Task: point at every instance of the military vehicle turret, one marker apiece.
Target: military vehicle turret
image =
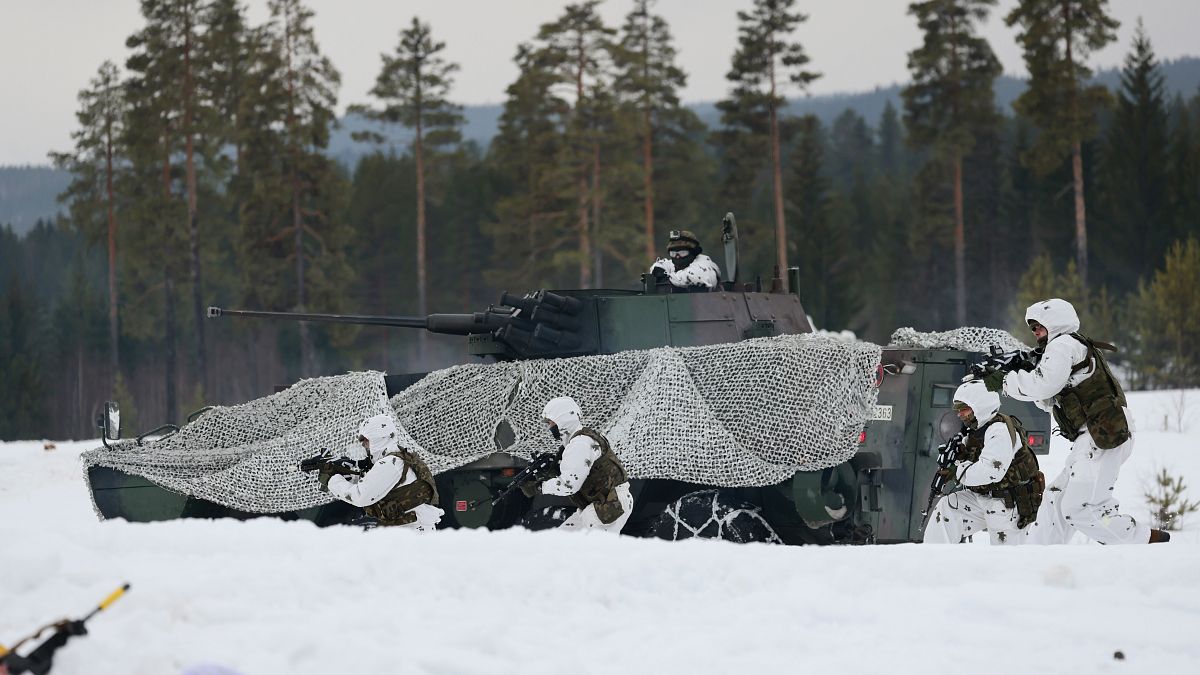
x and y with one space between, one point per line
877 496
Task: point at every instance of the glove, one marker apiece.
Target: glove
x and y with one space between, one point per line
662 267
530 489
994 381
323 479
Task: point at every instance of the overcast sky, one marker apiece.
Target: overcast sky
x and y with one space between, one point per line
49 49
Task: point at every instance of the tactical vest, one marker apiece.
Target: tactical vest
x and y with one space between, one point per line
1020 487
600 486
395 507
1094 404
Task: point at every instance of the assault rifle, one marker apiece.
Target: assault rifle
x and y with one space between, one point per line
41 658
947 455
326 459
1005 362
541 467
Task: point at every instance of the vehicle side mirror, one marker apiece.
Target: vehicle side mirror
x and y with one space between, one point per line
110 422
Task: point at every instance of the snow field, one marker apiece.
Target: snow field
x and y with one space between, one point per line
268 596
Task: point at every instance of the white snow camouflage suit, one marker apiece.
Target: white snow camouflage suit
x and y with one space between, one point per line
963 513
1081 498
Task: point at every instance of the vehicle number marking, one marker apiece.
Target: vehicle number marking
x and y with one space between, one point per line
881 413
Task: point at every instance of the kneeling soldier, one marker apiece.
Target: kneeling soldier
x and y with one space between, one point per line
398 489
589 472
1003 485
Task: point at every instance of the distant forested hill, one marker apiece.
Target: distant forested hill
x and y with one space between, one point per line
28 193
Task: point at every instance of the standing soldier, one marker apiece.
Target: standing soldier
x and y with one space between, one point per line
397 490
1003 486
588 472
1073 381
686 266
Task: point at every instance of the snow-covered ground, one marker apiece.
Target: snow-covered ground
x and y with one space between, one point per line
268 596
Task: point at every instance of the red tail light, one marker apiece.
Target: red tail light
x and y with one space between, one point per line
460 505
1036 439
862 437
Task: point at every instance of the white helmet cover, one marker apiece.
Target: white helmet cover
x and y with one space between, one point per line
380 432
1057 315
985 404
565 414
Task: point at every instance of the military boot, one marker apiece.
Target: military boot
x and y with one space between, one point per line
1159 536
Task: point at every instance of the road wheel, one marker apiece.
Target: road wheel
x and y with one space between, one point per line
713 514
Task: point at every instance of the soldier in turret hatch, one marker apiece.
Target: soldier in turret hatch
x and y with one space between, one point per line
686 266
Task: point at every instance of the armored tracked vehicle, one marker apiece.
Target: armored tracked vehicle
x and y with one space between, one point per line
875 497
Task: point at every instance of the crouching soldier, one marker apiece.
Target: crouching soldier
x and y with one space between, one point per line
1073 381
398 489
1003 485
588 472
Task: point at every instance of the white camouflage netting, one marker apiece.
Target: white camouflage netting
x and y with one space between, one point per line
969 338
742 414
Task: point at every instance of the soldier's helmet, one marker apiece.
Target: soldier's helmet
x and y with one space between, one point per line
380 434
1057 315
983 403
564 412
683 240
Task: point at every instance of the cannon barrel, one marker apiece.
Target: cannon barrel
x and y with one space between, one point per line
453 324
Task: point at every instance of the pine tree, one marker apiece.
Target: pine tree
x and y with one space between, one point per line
649 76
882 284
1183 190
194 116
827 266
22 409
578 48
1166 320
1136 226
412 88
91 196
308 86
891 139
949 99
157 244
1057 36
765 61
531 230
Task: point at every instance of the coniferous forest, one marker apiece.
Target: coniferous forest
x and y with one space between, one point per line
200 175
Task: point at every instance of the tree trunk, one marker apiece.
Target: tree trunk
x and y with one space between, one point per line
1081 260
597 250
298 243
168 294
581 182
1081 255
648 184
777 182
422 292
960 247
114 362
193 221
169 344
297 220
648 143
